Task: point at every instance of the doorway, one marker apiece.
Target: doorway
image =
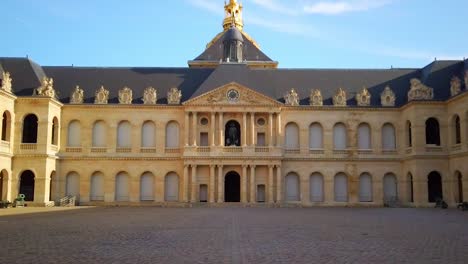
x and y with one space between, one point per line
261 193
434 187
232 187
27 185
203 193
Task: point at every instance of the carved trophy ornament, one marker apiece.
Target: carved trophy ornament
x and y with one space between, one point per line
125 96
77 96
150 96
339 99
291 98
363 97
419 91
387 97
316 98
101 96
173 96
455 86
46 88
6 82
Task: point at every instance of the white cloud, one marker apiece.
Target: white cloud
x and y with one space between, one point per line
213 6
340 7
275 6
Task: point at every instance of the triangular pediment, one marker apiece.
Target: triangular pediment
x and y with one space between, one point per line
233 94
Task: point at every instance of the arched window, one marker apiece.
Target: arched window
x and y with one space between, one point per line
73 185
6 127
341 187
99 134
390 187
458 187
292 187
172 135
4 185
124 137
456 130
55 129
27 184
410 188
316 187
432 132
365 187
171 187
364 136
388 137
74 134
30 129
315 136
121 187
97 186
53 184
434 187
409 136
233 134
339 137
147 187
148 135
291 136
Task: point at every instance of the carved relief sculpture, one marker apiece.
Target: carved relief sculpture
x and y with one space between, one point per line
6 82
173 96
363 97
419 91
316 98
455 86
387 97
46 88
77 96
291 98
125 96
339 99
101 96
150 96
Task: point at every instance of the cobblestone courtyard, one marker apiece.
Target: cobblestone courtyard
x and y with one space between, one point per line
236 235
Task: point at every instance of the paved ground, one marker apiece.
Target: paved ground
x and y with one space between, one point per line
236 235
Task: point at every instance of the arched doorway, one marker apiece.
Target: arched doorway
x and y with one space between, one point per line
390 187
434 186
233 134
171 187
27 185
232 187
410 188
459 187
3 185
292 187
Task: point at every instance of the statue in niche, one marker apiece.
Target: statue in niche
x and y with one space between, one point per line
387 97
125 96
150 96
316 98
6 82
101 96
46 88
291 98
419 91
77 96
363 97
173 96
455 86
232 134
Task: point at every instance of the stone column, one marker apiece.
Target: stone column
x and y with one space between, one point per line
279 184
244 184
187 129
270 129
220 184
213 129
252 184
221 129
244 129
194 128
270 184
252 128
278 130
185 182
212 184
194 192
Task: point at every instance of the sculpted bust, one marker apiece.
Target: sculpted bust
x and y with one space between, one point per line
316 98
419 91
77 96
150 96
6 82
292 98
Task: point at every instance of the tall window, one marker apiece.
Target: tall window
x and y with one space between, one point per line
74 134
432 132
388 137
409 136
457 130
364 136
30 129
292 136
315 136
172 135
339 137
55 128
6 120
148 135
124 138
99 134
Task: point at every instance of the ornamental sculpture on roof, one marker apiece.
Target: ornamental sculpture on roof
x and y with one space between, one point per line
339 99
291 98
174 95
125 96
466 80
77 96
6 82
101 96
419 91
150 96
387 97
455 86
316 98
46 88
363 97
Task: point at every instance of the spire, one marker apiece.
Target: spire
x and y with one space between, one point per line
232 15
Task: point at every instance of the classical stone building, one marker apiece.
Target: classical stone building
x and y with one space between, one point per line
233 127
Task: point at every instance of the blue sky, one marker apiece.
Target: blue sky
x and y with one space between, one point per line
297 33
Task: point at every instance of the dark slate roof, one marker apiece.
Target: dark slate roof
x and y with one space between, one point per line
215 51
194 82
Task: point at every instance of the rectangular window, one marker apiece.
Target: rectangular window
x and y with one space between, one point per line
204 139
261 141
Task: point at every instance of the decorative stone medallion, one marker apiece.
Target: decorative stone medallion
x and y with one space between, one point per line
173 96
363 97
101 96
77 96
455 86
150 96
339 99
387 97
316 98
292 98
419 91
125 96
6 82
232 96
